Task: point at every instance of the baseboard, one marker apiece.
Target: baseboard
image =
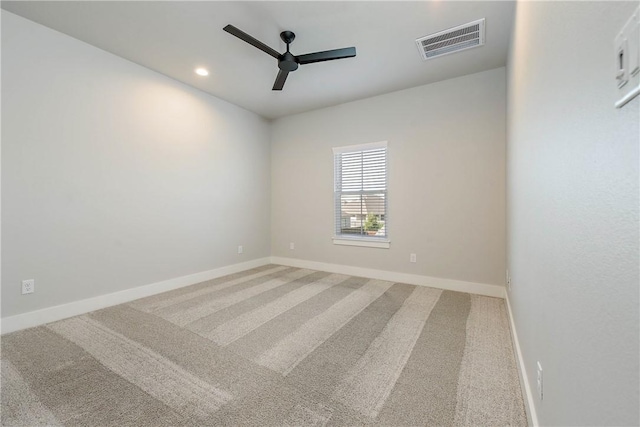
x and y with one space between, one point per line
63 311
412 279
524 378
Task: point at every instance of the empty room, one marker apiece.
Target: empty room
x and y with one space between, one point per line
320 213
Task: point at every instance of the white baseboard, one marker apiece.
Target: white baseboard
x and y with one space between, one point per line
63 311
524 378
412 279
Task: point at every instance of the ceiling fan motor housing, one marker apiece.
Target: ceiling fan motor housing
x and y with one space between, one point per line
287 62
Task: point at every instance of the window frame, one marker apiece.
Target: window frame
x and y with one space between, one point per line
360 240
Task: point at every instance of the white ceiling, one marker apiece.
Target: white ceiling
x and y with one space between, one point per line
174 37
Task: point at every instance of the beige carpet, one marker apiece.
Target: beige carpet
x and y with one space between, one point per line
270 346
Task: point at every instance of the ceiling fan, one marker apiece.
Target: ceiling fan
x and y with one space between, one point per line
288 62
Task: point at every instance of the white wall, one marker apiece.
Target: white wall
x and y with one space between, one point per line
446 149
114 176
573 212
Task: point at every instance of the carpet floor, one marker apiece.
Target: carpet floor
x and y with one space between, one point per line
271 346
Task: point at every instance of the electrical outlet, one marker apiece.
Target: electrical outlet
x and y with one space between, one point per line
28 286
539 377
292 246
412 258
240 249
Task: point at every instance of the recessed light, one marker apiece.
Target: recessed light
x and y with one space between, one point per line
202 72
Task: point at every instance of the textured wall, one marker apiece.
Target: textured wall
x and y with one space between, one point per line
573 212
446 151
114 176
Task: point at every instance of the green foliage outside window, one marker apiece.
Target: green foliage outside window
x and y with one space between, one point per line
372 223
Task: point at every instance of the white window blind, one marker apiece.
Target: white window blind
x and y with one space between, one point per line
360 192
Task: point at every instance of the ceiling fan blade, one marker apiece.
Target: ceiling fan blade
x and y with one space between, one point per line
327 55
252 41
280 79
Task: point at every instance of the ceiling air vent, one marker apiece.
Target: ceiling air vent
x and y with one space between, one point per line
452 40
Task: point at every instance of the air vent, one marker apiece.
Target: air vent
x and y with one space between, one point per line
452 40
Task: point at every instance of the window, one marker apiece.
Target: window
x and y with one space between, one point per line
360 195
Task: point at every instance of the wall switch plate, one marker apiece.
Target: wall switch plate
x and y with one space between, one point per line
292 246
627 60
28 286
412 258
539 380
622 60
240 249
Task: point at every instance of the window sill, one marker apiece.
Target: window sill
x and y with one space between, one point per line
369 243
